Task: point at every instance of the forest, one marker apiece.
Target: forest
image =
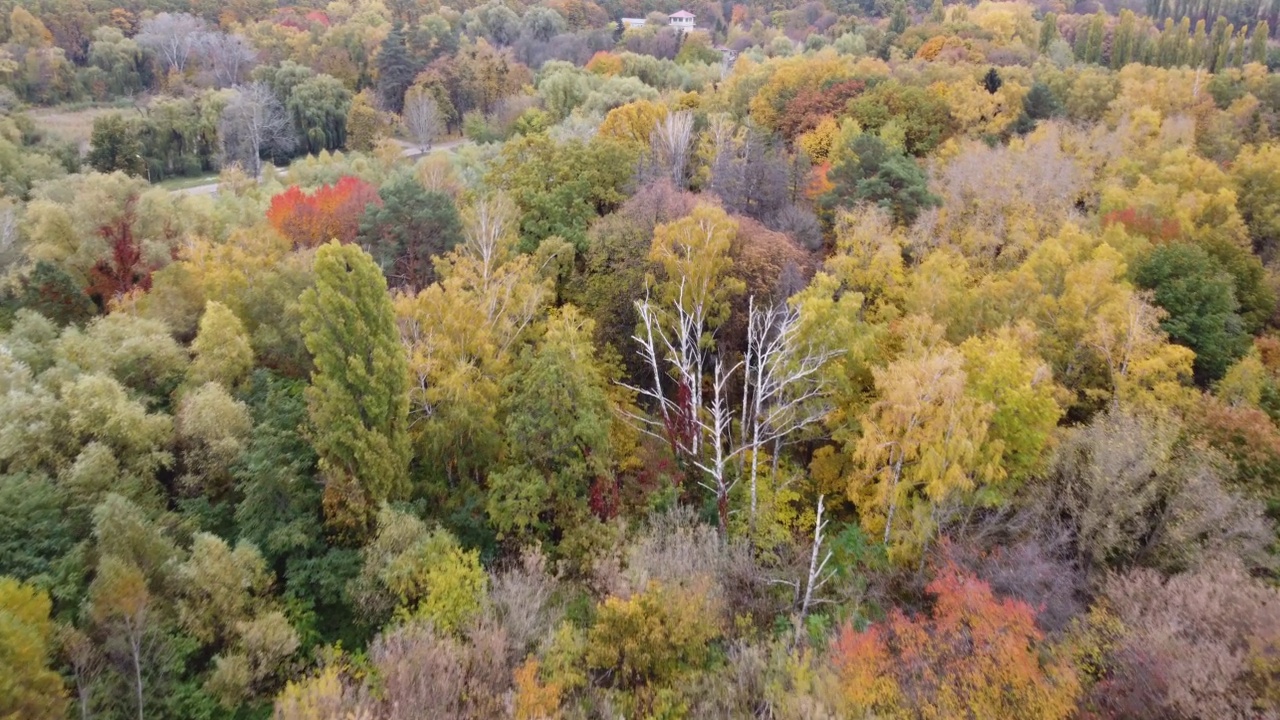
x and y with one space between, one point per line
389 359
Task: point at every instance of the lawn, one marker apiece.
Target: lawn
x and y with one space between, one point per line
182 183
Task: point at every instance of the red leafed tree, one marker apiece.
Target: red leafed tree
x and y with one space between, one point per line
1136 222
974 656
811 105
331 212
125 268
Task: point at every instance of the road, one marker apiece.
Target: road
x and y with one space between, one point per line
410 152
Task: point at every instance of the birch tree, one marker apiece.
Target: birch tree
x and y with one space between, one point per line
121 604
783 390
922 440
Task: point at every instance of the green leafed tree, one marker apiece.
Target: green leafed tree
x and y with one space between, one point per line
875 173
408 230
115 146
221 349
359 394
557 433
1199 296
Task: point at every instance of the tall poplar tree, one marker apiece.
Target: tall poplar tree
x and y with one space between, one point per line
359 394
1258 44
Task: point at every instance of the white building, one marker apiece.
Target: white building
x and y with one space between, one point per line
682 20
632 23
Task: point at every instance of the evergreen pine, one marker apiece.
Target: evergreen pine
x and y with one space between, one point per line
396 71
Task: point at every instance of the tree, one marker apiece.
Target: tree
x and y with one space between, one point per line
992 81
221 349
1256 175
220 586
173 37
407 230
973 656
561 187
121 604
422 116
396 70
28 687
1198 644
923 444
114 145
365 124
1001 370
1048 31
253 123
694 254
556 432
54 294
925 119
34 530
1135 493
213 429
421 573
656 636
319 106
26 30
359 394
1258 43
463 334
875 173
1200 299
227 57
899 21
670 143
332 212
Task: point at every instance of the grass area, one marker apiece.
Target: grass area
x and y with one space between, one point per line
182 183
73 123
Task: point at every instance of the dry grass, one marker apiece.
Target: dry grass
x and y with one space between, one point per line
72 125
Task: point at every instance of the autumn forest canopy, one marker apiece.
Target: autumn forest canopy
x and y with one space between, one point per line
390 359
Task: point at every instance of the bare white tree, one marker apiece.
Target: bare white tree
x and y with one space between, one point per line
252 123
171 36
489 230
782 392
422 117
670 142
226 57
674 343
818 573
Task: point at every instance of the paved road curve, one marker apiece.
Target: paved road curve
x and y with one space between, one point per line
410 152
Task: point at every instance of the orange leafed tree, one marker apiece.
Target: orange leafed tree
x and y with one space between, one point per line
604 63
975 656
331 212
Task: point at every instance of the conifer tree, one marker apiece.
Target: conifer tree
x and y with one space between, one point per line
359 394
395 70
